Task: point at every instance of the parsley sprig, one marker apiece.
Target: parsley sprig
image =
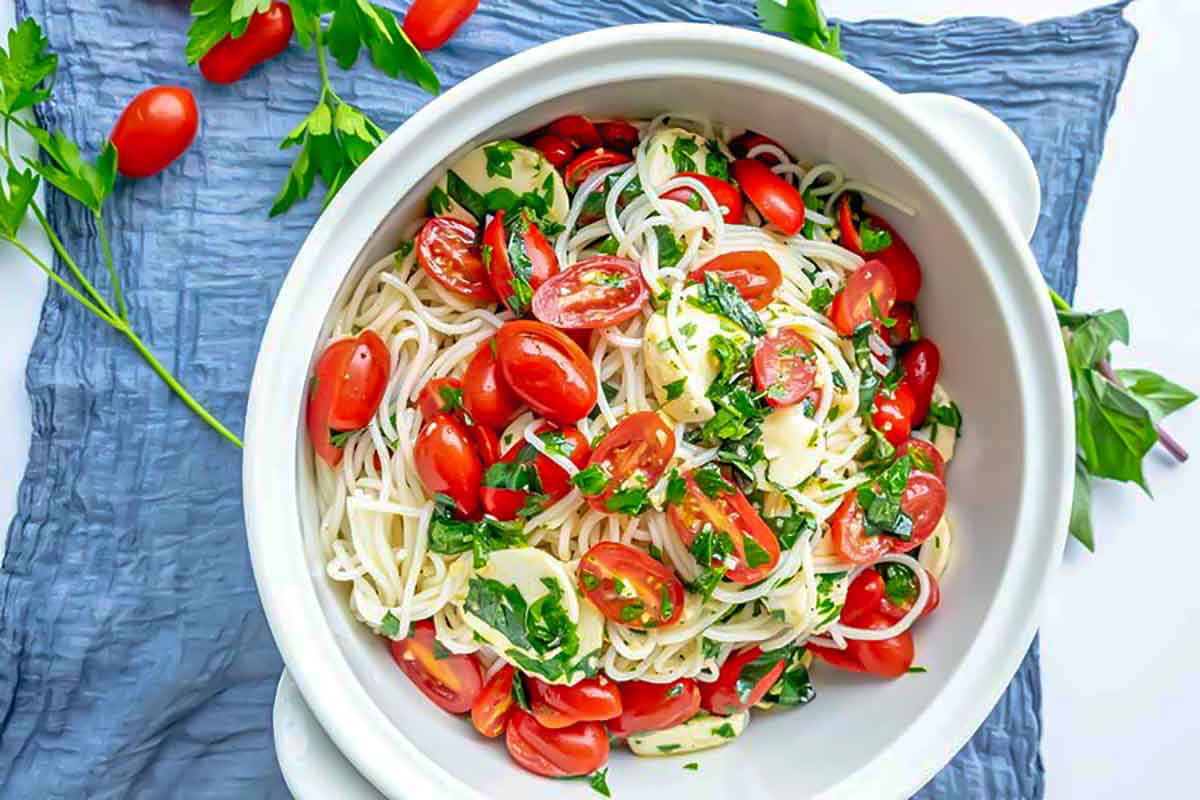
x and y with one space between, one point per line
803 21
27 70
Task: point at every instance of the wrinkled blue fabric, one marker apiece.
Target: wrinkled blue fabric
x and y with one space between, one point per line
135 660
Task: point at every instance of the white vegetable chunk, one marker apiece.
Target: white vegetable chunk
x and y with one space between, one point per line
701 732
511 166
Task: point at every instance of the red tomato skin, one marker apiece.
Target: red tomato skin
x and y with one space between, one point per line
448 463
578 131
906 329
655 706
590 700
589 161
922 363
431 23
742 145
430 400
849 230
573 300
503 504
850 537
753 272
447 249
494 705
316 413
547 370
775 198
894 414
557 150
486 442
453 682
641 441
769 363
889 658
843 659
651 579
543 261
618 135
267 35
726 195
734 508
568 752
852 305
924 500
721 697
487 397
922 451
899 257
155 129
863 597
360 380
896 613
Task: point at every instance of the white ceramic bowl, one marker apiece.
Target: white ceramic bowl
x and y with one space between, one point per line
983 302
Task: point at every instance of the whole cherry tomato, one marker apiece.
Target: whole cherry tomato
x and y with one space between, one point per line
925 457
431 23
637 450
449 251
589 161
732 692
267 35
655 706
899 257
755 548
348 386
924 500
590 700
922 363
889 658
557 150
894 412
775 198
597 292
547 370
618 135
898 600
448 463
452 682
525 246
755 274
863 597
504 502
906 329
440 396
849 531
155 129
577 130
742 145
852 306
495 703
784 367
649 594
487 396
568 752
724 192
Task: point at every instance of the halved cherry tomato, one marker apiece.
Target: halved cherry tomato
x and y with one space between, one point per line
754 545
906 329
448 463
532 252
924 500
440 396
784 367
449 251
730 692
776 199
755 274
896 611
726 195
649 594
577 130
505 503
655 706
486 442
894 413
431 23
348 386
922 363
848 222
557 150
487 396
579 749
889 658
452 682
925 457
742 145
595 293
852 305
863 596
906 270
842 659
495 704
619 135
590 700
638 449
267 35
849 531
155 129
589 161
547 370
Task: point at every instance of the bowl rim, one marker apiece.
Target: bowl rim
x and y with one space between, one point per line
284 580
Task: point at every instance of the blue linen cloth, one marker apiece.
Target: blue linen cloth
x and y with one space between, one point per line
135 660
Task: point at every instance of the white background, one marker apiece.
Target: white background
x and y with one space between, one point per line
1121 699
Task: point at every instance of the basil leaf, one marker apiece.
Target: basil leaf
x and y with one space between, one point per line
1113 431
683 154
676 488
719 296
1160 397
628 501
591 481
753 673
1081 507
711 482
1093 335
462 193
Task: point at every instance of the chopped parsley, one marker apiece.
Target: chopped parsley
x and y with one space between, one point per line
692 765
725 730
789 529
881 502
598 780
389 626
675 389
628 501
683 154
820 299
670 249
711 482
499 158
794 687
676 488
948 415
715 162
668 748
450 536
873 239
591 481
900 585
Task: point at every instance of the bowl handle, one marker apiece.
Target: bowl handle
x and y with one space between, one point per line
991 151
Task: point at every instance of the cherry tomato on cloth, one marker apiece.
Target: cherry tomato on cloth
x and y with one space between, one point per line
725 193
639 447
655 706
495 704
348 386
618 135
755 547
863 597
525 246
925 457
775 198
850 536
431 23
905 268
754 273
448 463
578 131
852 306
746 676
155 129
504 502
898 600
590 700
440 396
894 412
630 587
924 500
595 293
267 35
487 396
889 658
742 145
922 363
906 329
568 752
557 150
589 161
784 367
448 251
547 370
452 682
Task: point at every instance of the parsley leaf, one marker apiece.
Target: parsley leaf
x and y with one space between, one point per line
803 21
628 501
712 482
213 20
88 182
719 296
881 502
670 249
590 481
16 193
357 24
24 67
789 529
499 158
676 488
715 162
820 299
683 154
450 536
873 239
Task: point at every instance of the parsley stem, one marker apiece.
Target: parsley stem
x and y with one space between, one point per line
321 62
1169 443
54 276
57 244
102 231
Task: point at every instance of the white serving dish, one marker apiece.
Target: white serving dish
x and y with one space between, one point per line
983 302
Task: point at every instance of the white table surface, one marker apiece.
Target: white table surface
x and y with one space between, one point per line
1118 656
